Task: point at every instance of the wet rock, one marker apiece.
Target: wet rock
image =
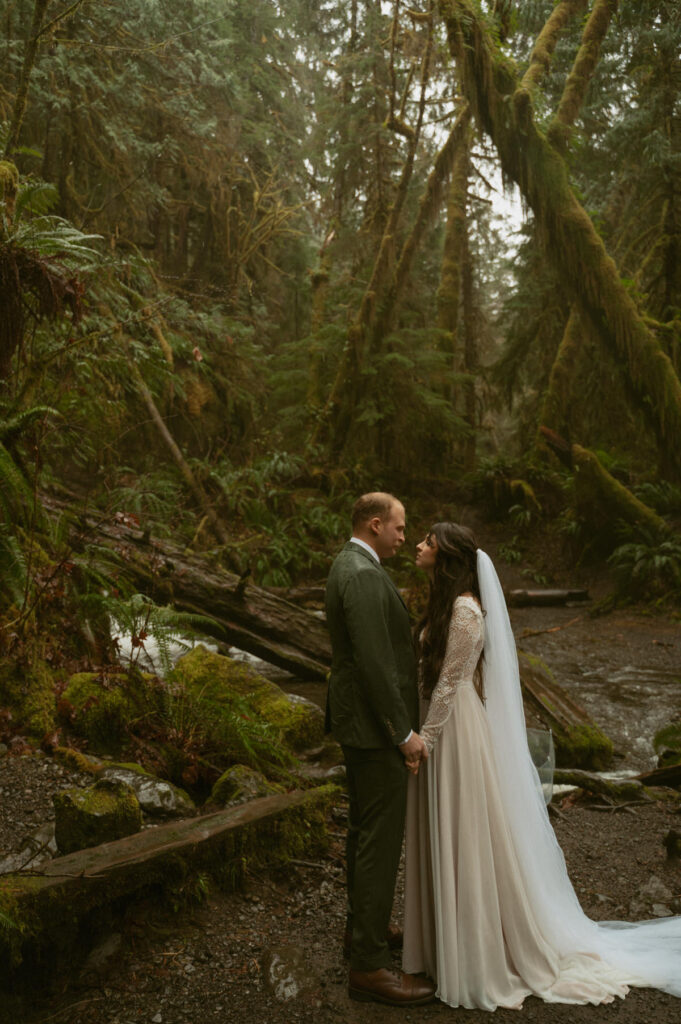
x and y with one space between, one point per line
158 798
99 814
287 973
241 783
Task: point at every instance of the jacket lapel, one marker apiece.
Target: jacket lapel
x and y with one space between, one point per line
362 551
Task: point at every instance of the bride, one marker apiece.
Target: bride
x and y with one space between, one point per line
490 913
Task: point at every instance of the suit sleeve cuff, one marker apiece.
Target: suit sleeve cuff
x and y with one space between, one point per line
406 738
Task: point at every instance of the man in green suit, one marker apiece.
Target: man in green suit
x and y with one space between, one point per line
372 711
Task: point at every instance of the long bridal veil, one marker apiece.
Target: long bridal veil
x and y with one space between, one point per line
648 951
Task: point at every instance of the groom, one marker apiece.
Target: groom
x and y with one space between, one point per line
372 711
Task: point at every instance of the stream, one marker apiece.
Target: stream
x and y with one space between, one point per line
623 668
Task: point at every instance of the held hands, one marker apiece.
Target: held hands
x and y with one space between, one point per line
414 752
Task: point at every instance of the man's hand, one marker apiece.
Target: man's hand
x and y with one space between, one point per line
414 752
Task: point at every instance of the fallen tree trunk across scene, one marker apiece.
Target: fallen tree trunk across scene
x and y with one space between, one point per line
246 616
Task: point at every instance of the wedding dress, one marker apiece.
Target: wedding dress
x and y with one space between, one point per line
490 913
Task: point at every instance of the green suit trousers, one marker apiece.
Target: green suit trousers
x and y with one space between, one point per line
377 787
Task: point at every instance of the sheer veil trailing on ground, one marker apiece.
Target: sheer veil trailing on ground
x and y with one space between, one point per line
647 950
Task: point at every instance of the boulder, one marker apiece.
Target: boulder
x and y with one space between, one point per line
241 783
157 797
667 744
99 814
232 688
101 708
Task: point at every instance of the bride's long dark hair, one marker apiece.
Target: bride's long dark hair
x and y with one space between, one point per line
455 572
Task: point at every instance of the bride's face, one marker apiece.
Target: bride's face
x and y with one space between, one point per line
426 553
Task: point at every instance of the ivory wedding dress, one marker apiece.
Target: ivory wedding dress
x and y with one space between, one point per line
490 913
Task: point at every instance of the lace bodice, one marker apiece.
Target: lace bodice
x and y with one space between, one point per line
464 644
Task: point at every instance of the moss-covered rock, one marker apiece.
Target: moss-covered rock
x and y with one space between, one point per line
157 797
240 783
229 686
99 814
579 742
102 709
30 692
667 744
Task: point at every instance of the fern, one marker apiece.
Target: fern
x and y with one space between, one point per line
141 620
648 569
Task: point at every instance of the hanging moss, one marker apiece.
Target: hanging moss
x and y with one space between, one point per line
9 183
583 68
568 236
540 58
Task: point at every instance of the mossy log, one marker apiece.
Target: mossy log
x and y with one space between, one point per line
53 913
614 789
600 499
566 231
669 775
244 615
579 742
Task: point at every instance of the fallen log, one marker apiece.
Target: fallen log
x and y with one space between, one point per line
545 598
669 775
244 615
579 742
614 789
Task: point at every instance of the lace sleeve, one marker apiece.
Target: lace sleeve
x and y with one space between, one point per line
464 644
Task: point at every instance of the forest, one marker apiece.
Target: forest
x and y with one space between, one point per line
259 258
255 260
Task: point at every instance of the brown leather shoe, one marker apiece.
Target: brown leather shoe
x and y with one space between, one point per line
394 937
392 987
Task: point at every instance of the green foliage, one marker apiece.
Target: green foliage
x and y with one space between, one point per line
511 551
648 569
139 619
664 496
287 525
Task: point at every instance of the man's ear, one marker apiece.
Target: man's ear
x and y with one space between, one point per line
375 524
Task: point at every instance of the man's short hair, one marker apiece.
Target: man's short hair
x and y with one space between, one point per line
377 503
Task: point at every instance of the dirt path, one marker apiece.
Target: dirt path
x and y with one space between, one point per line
214 962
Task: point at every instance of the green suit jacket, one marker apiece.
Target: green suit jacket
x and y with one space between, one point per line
373 697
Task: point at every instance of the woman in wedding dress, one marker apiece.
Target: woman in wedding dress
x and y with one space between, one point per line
490 913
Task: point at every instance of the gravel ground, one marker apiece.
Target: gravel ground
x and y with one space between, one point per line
272 951
27 785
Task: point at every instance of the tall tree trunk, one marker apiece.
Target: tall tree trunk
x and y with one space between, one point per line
21 97
334 424
568 235
559 388
470 355
449 291
429 206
